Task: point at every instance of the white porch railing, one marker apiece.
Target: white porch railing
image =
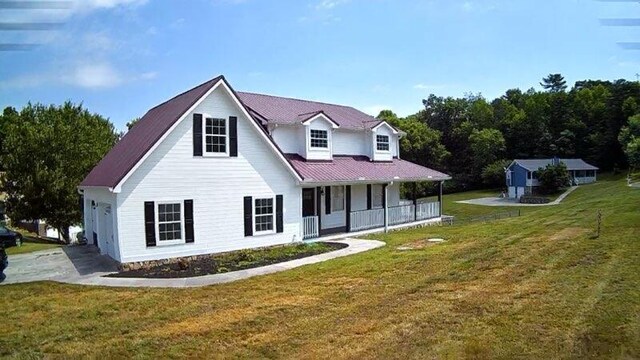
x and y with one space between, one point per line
366 219
401 214
428 210
310 227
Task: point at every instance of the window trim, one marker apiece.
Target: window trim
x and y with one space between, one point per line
388 143
316 148
182 239
273 215
206 153
333 193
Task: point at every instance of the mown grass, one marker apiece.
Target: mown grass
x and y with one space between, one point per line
31 243
537 286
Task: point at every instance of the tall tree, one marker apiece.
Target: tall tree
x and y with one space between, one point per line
554 83
630 140
52 150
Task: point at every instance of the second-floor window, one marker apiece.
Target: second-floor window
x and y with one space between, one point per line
382 142
319 139
215 136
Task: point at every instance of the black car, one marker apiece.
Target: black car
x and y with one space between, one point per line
9 238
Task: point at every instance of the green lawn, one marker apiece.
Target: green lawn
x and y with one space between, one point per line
31 243
28 247
536 286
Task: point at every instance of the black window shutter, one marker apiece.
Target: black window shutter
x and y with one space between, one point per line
233 136
327 199
188 221
348 207
197 134
150 223
248 216
279 225
368 196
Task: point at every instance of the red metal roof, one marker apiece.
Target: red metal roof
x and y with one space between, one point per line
263 108
345 168
284 110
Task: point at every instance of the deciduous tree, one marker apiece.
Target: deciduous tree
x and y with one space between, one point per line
49 150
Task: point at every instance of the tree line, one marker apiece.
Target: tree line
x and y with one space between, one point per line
473 139
46 151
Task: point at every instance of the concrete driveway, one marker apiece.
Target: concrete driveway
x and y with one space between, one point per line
84 265
61 264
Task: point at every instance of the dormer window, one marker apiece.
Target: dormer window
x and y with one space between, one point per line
382 142
215 136
319 139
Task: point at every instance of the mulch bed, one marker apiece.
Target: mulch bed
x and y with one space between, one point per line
232 261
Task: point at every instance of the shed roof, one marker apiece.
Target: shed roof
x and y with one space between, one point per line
356 168
572 164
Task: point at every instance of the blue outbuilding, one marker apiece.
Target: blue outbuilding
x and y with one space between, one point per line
522 177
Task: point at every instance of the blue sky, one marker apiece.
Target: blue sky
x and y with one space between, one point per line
122 57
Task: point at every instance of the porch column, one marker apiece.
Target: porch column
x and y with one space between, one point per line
386 209
440 195
348 208
318 208
414 196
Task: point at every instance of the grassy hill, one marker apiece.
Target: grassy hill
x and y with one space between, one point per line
536 286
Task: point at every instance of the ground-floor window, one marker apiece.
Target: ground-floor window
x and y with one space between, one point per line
337 198
263 215
170 221
377 194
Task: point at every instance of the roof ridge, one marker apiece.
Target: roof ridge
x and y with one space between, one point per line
298 99
217 78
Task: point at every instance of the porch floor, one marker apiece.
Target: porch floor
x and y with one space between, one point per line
355 234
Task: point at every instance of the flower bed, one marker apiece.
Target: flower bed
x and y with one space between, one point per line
224 262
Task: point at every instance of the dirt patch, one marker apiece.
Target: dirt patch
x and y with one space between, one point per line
232 261
420 244
568 233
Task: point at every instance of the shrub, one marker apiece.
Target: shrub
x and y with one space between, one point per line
553 178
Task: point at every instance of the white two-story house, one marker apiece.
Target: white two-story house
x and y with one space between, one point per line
214 170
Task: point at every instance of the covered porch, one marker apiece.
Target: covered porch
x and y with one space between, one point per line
356 208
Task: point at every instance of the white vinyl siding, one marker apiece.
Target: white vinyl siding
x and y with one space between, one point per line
217 186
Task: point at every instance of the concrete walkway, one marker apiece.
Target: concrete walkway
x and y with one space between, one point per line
52 265
496 201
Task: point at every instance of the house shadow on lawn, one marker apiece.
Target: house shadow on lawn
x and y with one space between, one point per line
86 260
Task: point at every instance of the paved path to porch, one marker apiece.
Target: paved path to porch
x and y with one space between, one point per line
83 265
496 201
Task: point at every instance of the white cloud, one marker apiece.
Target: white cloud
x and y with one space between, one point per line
422 86
329 4
100 75
89 5
178 23
150 75
467 6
